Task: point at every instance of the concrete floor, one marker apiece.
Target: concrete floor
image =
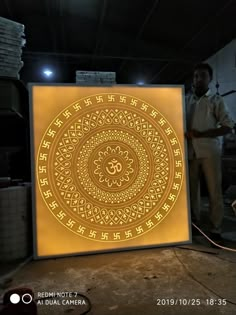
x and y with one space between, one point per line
133 282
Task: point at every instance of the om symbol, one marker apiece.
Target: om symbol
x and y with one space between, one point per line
115 167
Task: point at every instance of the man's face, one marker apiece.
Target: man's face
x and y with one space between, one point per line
201 79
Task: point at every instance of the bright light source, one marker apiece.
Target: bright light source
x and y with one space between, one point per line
140 83
48 73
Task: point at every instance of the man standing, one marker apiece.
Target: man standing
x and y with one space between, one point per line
207 119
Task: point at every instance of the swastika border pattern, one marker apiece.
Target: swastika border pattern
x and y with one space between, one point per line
42 167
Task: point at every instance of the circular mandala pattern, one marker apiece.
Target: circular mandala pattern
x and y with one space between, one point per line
113 166
109 167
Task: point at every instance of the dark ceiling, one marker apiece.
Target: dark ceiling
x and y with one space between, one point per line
157 41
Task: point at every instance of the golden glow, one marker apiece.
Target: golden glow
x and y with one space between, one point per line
110 168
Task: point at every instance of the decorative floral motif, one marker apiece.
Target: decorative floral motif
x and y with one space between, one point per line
113 166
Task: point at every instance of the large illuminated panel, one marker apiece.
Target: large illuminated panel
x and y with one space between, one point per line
109 168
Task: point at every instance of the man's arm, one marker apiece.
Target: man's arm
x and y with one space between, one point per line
223 118
211 133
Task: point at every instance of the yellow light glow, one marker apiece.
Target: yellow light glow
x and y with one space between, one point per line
110 168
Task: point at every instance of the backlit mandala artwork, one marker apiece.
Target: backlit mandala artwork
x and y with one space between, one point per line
110 167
